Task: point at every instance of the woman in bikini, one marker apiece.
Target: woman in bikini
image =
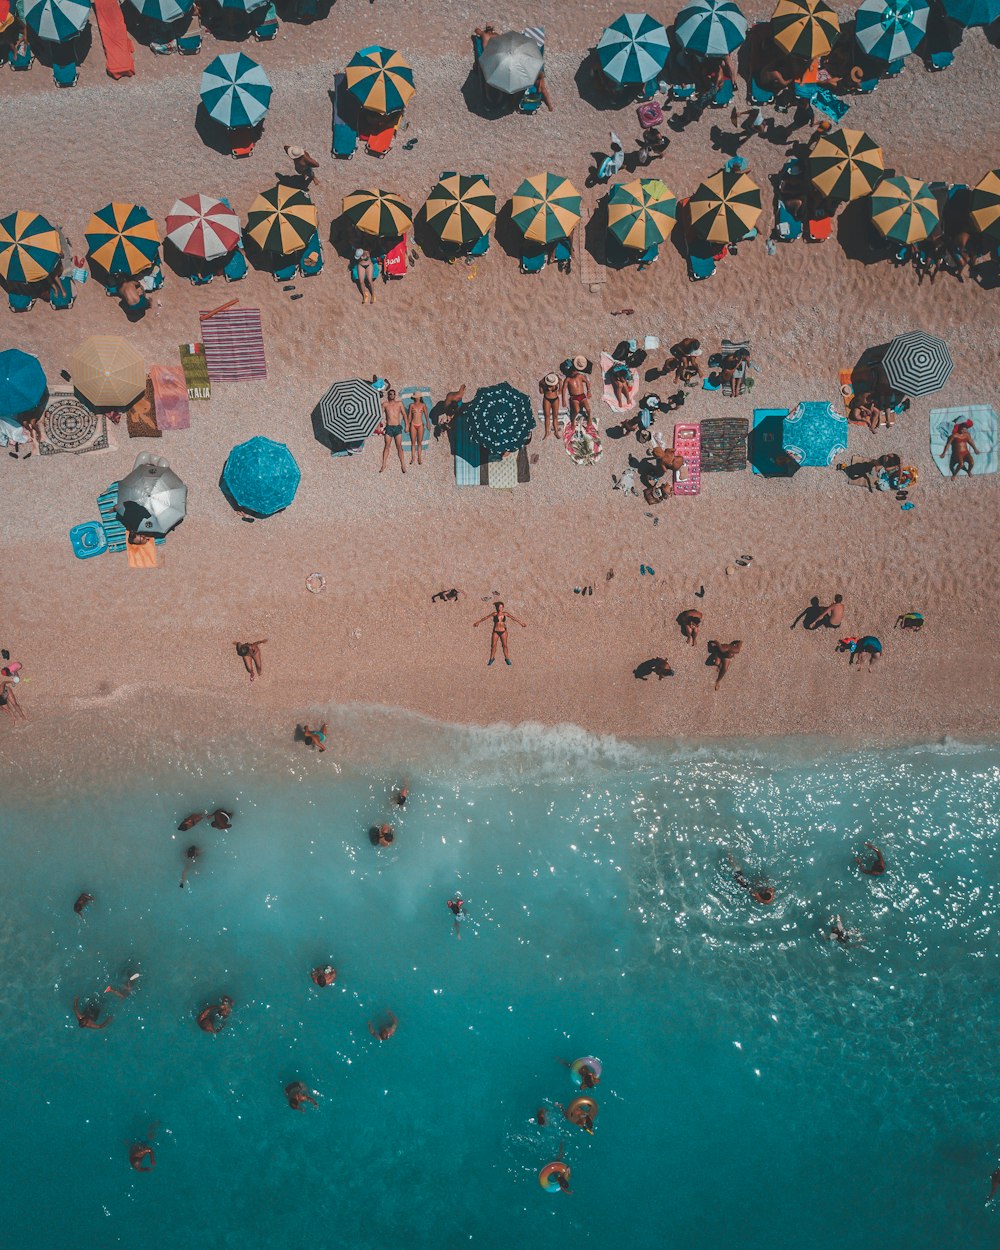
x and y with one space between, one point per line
549 390
416 419
365 269
500 617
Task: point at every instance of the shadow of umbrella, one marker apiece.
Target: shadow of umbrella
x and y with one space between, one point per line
766 447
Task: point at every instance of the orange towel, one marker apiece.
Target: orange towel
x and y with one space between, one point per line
142 557
118 48
379 144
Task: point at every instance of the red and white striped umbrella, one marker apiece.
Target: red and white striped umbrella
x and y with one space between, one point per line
201 225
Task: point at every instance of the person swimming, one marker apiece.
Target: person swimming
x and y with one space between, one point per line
142 1152
191 856
324 976
221 819
456 906
582 1112
381 835
759 890
401 795
873 868
297 1093
384 1031
128 985
81 903
211 1019
189 822
586 1071
840 933
88 1017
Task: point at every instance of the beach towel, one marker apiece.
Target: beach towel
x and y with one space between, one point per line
984 435
831 105
70 426
406 394
195 368
114 531
687 443
607 364
118 48
234 344
140 417
537 33
142 557
724 444
523 467
171 397
766 444
468 454
394 261
582 442
502 474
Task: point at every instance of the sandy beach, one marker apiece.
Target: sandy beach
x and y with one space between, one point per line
111 653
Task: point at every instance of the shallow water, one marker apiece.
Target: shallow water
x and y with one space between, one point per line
762 1087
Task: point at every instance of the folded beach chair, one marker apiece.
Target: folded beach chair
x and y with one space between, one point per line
19 303
700 266
345 137
268 28
189 45
723 98
534 263
787 228
940 60
118 47
311 260
895 68
562 254
286 273
468 454
62 294
406 395
820 229
480 247
687 443
65 73
244 150
758 95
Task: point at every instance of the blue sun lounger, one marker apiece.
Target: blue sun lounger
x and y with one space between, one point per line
345 137
468 454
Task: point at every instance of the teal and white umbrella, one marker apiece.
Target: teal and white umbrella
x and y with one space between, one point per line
710 27
163 10
888 30
57 20
235 90
633 50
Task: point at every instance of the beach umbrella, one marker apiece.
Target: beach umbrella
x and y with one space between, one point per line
973 12
846 164
241 6
30 247
107 371
511 62
380 80
904 209
804 28
888 30
282 220
152 499
985 202
642 213
235 90
710 27
350 410
725 207
499 418
203 226
461 208
917 363
815 435
57 20
545 208
633 50
22 383
163 10
261 476
382 214
123 238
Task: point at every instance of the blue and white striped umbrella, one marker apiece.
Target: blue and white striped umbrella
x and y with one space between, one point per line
710 27
888 30
235 90
57 20
633 49
163 10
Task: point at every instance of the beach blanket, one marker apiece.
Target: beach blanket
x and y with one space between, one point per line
815 434
766 445
114 531
582 442
826 102
523 467
69 425
234 345
406 394
724 444
195 368
170 391
607 364
502 474
142 557
687 443
141 416
468 454
861 377
984 435
118 48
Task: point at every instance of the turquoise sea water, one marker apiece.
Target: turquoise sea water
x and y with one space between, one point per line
762 1087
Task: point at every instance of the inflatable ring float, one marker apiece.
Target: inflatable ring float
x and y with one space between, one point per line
315 582
588 1061
547 1176
582 1108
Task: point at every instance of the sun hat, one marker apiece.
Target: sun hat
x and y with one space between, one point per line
551 379
295 153
579 362
358 253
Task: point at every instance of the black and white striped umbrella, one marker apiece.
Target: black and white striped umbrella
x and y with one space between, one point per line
350 410
917 363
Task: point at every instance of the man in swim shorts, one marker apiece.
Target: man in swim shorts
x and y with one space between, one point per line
211 1019
832 615
456 906
874 868
189 822
689 621
720 654
395 419
575 389
960 442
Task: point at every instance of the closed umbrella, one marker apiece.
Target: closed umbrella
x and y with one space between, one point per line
815 435
235 90
30 247
710 28
633 50
511 62
22 383
917 363
382 214
350 410
380 80
804 28
107 371
725 207
973 12
846 165
641 214
461 208
985 202
57 20
546 208
123 238
203 226
261 476
888 30
152 499
282 220
500 418
163 10
904 209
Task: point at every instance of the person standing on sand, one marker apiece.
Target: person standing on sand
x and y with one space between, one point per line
304 165
395 419
549 388
690 621
500 617
249 653
720 654
417 417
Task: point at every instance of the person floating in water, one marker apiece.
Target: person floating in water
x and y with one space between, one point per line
456 905
324 976
401 795
221 819
315 737
297 1093
840 933
189 822
384 1031
140 1153
759 890
211 1019
191 857
556 1175
500 617
81 903
128 985
586 1071
88 1017
875 867
541 1117
994 1185
582 1112
381 835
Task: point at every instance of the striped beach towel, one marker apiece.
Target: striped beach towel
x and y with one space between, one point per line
537 33
234 344
199 385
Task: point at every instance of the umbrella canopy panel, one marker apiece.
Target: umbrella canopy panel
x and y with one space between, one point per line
725 207
985 204
350 410
235 90
710 28
107 371
282 220
511 62
846 165
380 80
382 214
917 363
815 435
261 476
545 208
152 499
30 247
123 238
461 208
500 418
57 20
241 6
633 50
904 209
163 10
641 214
804 28
973 12
22 383
888 30
203 226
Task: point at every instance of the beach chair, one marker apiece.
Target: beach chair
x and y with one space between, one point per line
723 98
758 95
480 247
19 303
65 73
268 28
20 55
562 254
311 261
244 150
189 45
62 294
468 454
163 49
153 281
286 273
534 263
820 229
345 137
380 143
648 256
787 228
200 278
530 102
940 60
235 268
119 51
687 443
700 266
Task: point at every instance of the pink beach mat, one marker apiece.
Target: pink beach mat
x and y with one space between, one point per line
687 443
170 394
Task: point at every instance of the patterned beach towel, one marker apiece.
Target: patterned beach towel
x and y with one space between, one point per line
195 368
984 435
140 417
69 425
234 344
170 389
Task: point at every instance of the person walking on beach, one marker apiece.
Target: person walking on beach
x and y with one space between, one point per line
500 617
395 419
875 867
690 622
89 1016
315 737
212 1018
384 1031
81 903
760 891
297 1093
304 165
720 654
249 653
190 858
417 417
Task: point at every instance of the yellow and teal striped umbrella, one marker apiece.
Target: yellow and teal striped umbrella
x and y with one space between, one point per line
986 204
380 80
641 214
725 207
282 220
545 208
461 208
846 165
805 28
382 214
904 209
123 238
30 247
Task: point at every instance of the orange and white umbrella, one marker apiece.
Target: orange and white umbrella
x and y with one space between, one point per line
203 226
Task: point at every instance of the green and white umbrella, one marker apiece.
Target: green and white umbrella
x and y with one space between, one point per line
163 10
888 30
499 418
57 20
710 27
235 90
633 50
641 214
904 209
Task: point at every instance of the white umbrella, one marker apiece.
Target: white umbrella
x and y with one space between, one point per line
152 499
511 62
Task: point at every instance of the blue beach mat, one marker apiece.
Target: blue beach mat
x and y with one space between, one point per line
765 446
984 435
